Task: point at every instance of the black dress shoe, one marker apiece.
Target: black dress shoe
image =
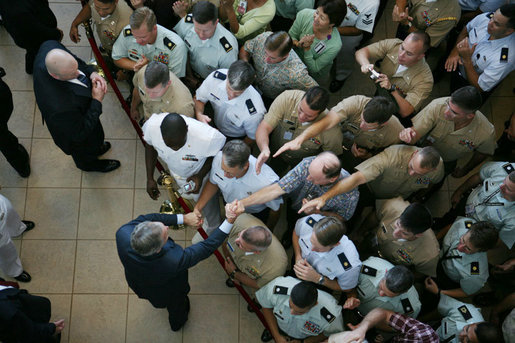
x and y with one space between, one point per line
229 283
23 277
105 166
266 336
29 224
21 163
336 85
104 148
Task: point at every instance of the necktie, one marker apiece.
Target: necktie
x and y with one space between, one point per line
82 78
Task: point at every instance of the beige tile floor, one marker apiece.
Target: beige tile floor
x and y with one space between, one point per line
72 254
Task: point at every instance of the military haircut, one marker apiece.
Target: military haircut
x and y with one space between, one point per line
379 110
421 36
304 294
174 128
236 153
487 332
146 238
259 237
279 41
399 279
467 98
508 11
483 235
336 10
329 231
156 73
240 75
429 157
204 12
317 98
416 218
143 15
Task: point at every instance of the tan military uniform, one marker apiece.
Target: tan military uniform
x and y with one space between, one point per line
176 99
421 253
436 18
414 83
478 135
109 28
282 116
387 173
262 267
350 109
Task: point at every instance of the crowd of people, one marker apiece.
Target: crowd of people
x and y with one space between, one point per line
233 100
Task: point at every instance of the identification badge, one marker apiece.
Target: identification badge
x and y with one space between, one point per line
242 7
288 135
320 47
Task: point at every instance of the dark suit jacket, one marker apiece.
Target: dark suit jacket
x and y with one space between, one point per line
71 114
24 317
163 276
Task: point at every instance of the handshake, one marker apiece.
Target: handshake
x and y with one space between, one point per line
232 211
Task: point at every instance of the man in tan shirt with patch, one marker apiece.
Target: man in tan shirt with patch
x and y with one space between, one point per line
158 90
399 170
254 256
368 127
405 236
290 114
403 70
454 126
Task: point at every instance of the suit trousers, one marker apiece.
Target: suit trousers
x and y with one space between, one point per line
8 141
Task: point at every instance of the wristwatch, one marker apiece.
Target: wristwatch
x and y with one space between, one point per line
392 88
321 280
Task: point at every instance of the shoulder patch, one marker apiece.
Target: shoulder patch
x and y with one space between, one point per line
490 15
189 18
311 221
474 268
368 270
327 315
250 106
344 261
468 224
127 32
504 55
508 168
465 313
220 76
168 43
281 290
406 305
225 44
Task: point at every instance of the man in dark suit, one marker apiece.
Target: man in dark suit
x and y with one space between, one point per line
69 95
30 23
156 268
24 318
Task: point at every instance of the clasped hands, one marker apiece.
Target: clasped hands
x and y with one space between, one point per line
305 271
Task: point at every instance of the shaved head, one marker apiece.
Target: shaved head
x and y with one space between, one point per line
61 65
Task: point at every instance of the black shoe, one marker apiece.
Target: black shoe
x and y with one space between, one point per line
23 277
266 336
229 283
29 224
336 85
105 166
286 241
104 148
21 164
177 327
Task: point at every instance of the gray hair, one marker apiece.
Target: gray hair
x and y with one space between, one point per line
399 279
143 15
240 75
429 157
146 238
156 73
259 237
236 153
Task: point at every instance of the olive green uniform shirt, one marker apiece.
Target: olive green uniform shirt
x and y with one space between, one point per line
109 29
387 173
177 97
283 117
452 145
422 253
350 109
415 83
